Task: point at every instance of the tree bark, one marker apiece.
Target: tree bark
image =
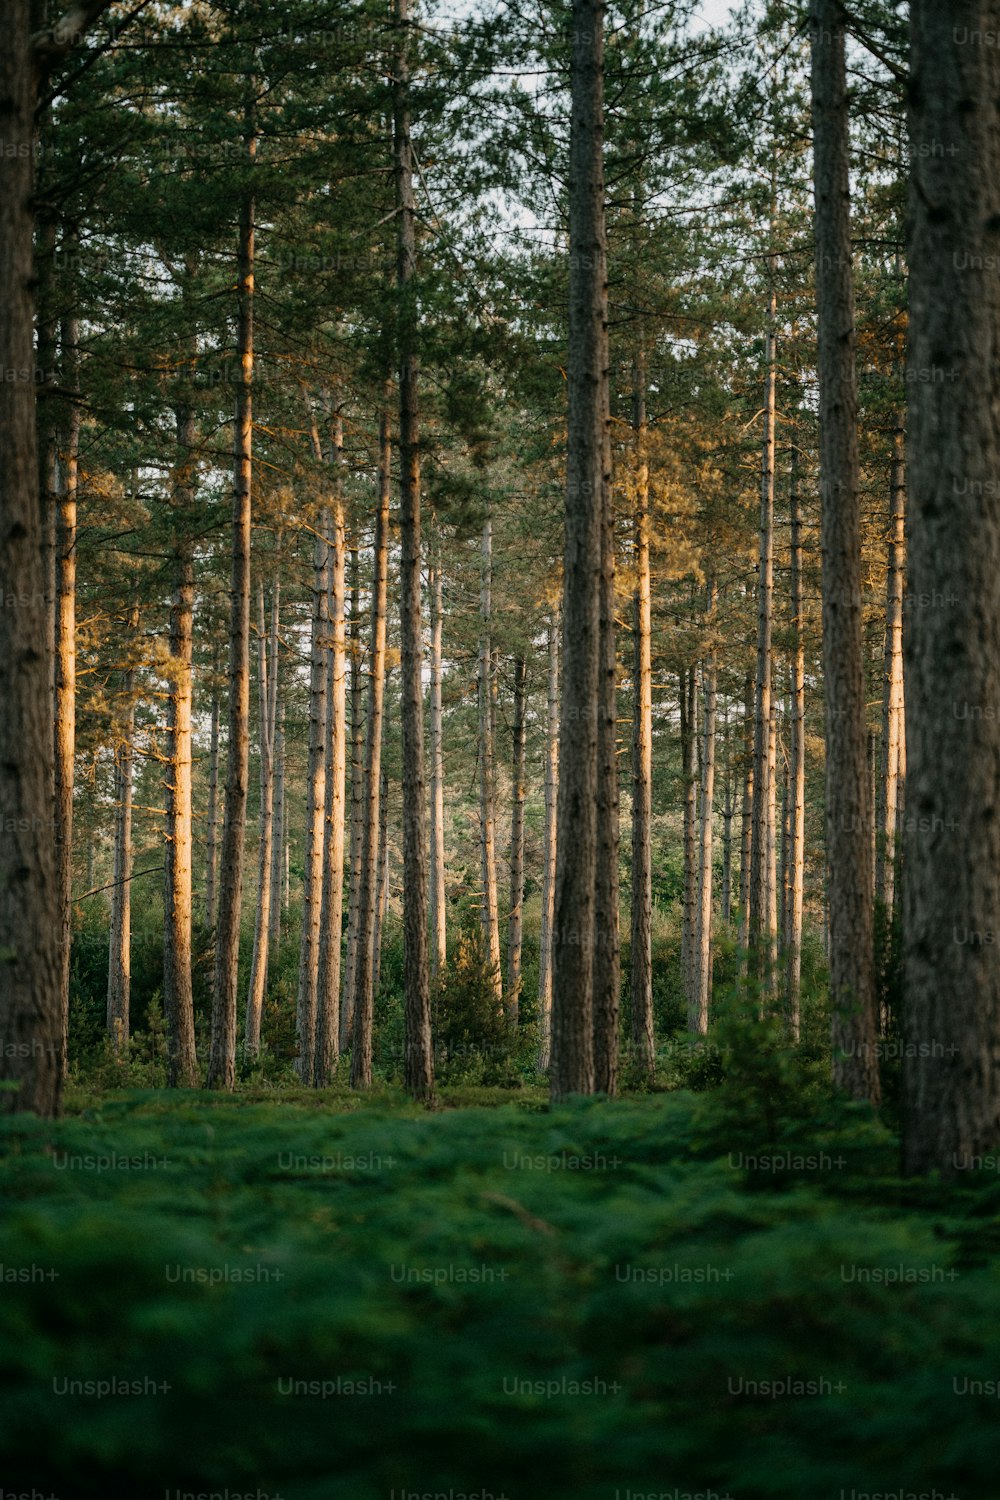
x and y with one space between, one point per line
65 667
797 788
30 1019
268 710
641 927
848 798
306 1000
549 849
222 1058
759 934
419 1062
120 927
328 1000
951 844
437 888
363 997
357 796
607 944
689 757
178 995
698 1012
515 921
746 813
489 914
278 840
382 897
893 736
212 860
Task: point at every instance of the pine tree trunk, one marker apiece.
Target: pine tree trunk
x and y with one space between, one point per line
357 796
772 845
699 1011
268 704
437 888
328 1000
951 853
892 695
30 1018
382 897
222 1058
848 797
515 921
178 996
278 841
641 927
65 669
549 850
489 915
797 795
746 813
120 928
761 821
211 871
363 997
607 938
419 1063
306 1000
689 757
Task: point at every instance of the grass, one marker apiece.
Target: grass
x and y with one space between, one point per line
333 1296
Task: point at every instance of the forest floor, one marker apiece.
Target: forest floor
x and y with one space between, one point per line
321 1296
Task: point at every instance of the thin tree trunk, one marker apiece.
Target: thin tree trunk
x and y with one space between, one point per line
641 927
489 914
65 670
363 997
746 813
30 1020
178 995
515 921
549 849
268 706
772 844
437 887
892 697
607 937
419 1064
213 814
699 1011
120 929
759 933
382 898
278 841
328 1001
222 1059
797 810
357 795
306 1000
848 797
689 756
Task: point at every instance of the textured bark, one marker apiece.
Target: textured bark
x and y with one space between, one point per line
120 927
267 684
797 772
419 1062
607 937
437 891
489 914
178 996
357 796
65 668
363 997
29 907
689 760
848 797
893 736
726 896
222 1058
587 476
746 813
549 849
382 897
772 846
305 1006
278 840
515 921
951 854
212 857
698 1011
759 932
328 1002
641 926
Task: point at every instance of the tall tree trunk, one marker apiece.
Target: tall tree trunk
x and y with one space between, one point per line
797 793
489 915
357 795
178 995
65 666
515 921
211 871
607 938
120 928
761 822
306 1001
30 913
689 757
222 1058
951 855
328 1002
549 849
698 1012
419 1063
363 997
893 737
278 841
382 893
772 844
746 812
268 709
641 934
437 888
848 798
587 477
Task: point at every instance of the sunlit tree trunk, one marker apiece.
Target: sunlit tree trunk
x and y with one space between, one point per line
759 933
689 759
549 848
120 929
515 921
212 856
278 841
698 1012
328 998
797 788
893 732
65 667
306 1001
437 887
607 937
489 914
268 705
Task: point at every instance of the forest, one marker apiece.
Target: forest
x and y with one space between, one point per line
500 749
